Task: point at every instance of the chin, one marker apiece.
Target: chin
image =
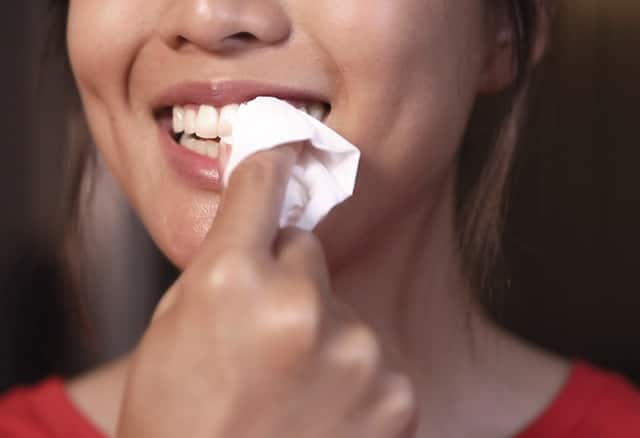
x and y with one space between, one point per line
180 257
180 243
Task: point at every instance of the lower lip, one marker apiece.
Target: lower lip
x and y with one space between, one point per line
197 170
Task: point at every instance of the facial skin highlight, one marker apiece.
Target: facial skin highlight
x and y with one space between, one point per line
401 77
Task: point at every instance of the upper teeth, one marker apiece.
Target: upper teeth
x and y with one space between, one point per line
209 122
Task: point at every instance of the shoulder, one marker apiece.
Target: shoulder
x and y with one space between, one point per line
42 411
593 403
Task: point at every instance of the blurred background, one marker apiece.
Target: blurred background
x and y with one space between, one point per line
571 241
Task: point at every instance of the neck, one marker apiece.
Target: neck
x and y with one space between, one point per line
417 298
422 307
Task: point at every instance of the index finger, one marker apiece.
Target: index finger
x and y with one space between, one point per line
250 208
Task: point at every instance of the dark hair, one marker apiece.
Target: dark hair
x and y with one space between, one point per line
484 166
487 157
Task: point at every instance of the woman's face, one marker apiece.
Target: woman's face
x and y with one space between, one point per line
400 77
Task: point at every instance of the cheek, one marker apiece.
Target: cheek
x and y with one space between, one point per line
101 37
409 72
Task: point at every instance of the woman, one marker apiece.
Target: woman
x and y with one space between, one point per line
371 325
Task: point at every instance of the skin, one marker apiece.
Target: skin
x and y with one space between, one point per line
420 357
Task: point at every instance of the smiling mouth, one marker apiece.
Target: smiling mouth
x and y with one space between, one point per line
199 116
195 119
203 128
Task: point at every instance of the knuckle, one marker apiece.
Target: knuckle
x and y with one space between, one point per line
357 353
296 319
230 278
291 327
233 268
398 403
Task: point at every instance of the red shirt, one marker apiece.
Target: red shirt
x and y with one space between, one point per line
43 411
592 404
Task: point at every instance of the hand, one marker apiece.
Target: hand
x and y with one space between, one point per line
250 343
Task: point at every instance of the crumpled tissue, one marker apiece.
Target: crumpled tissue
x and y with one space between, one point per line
326 171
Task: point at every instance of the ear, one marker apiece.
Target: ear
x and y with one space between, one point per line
499 69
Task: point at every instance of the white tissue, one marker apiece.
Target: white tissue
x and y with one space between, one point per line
325 173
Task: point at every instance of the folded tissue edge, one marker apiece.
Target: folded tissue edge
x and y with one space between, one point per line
326 171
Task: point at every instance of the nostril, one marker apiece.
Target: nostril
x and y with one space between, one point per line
243 36
180 41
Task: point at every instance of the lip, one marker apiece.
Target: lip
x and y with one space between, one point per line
219 94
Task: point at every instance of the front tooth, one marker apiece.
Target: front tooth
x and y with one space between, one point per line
178 119
316 110
227 120
207 122
190 115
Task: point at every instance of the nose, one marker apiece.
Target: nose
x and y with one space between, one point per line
226 25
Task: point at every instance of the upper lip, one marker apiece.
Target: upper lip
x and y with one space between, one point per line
219 94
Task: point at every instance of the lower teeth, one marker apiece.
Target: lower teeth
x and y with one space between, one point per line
209 148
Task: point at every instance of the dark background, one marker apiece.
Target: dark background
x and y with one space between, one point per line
572 237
